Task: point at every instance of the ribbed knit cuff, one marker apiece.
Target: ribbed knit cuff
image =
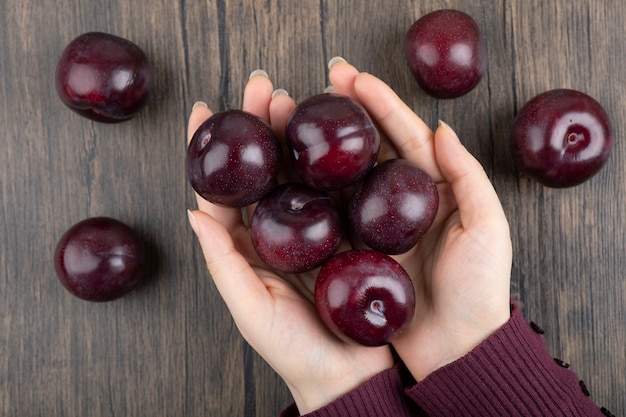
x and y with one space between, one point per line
510 374
382 395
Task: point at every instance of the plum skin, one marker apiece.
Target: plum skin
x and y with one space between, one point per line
104 77
394 206
333 140
99 259
295 228
561 138
364 297
446 53
233 159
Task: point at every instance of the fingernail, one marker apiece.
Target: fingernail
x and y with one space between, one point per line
199 104
192 221
280 92
335 60
329 89
449 129
257 72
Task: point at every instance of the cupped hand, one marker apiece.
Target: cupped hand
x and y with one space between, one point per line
461 268
273 312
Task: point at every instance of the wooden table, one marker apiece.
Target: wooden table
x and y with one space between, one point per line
171 348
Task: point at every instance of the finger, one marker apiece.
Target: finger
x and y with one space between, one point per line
476 198
257 95
342 76
412 138
229 217
280 108
199 113
240 287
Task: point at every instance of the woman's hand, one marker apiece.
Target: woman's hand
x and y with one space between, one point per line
274 312
461 268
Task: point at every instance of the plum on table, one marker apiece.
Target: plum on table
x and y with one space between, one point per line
104 77
561 138
99 259
446 53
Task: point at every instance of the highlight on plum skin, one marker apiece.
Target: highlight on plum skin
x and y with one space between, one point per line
100 259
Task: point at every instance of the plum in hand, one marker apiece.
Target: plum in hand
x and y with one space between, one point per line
104 77
446 53
333 141
364 297
394 206
561 138
233 159
295 228
99 259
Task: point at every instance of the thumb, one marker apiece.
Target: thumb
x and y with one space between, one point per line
237 282
476 198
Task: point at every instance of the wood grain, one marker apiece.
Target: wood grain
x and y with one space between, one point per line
171 348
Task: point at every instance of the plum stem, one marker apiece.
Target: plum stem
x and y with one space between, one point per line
377 307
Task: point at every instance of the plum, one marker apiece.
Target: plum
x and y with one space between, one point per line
446 53
99 259
561 138
104 77
364 297
333 140
295 228
394 206
233 159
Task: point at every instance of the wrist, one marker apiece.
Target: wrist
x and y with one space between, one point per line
312 398
311 395
381 395
447 345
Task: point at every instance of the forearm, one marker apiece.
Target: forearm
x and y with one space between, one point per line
510 373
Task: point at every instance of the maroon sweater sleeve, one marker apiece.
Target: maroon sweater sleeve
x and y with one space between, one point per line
510 374
382 395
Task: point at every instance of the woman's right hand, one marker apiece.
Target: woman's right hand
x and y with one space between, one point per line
461 268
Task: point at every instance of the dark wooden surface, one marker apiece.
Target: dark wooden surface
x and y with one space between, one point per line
170 348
